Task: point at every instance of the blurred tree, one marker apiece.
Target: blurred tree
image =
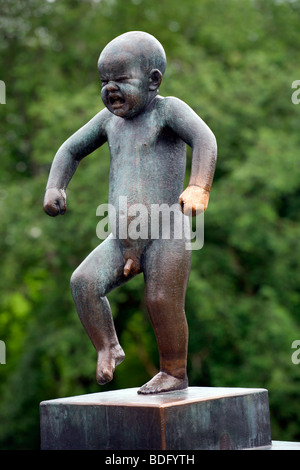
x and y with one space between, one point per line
234 63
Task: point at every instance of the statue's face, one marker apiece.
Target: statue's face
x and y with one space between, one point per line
125 85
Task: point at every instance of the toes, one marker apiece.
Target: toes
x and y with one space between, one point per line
106 363
104 376
161 383
143 390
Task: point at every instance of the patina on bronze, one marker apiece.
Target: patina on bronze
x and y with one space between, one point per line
147 136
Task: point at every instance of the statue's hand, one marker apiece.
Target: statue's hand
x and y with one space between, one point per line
194 200
55 202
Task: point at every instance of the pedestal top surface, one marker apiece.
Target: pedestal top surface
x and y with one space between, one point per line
130 397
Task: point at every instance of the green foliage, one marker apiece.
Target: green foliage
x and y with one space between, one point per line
234 63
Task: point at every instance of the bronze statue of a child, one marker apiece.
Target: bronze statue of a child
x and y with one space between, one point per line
147 136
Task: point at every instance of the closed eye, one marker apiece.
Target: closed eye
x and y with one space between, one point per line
122 78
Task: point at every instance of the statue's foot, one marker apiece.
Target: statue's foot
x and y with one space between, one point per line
163 382
108 360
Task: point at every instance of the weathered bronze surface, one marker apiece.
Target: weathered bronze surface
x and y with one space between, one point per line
147 136
196 418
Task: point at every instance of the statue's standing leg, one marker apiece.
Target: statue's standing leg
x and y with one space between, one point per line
97 275
166 270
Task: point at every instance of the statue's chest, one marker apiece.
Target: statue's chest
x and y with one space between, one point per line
129 137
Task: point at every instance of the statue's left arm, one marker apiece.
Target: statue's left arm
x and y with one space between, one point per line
193 130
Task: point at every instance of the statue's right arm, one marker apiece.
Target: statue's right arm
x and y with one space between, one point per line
87 139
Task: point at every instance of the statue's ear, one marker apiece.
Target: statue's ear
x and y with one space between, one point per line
155 78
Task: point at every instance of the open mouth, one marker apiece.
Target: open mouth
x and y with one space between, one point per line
116 101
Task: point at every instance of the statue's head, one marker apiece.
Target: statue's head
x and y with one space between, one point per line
131 68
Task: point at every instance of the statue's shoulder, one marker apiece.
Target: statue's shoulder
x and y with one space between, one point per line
171 108
165 105
170 103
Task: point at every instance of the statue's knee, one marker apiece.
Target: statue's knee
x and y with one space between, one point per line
86 282
79 281
156 300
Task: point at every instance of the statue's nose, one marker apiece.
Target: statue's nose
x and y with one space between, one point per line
112 86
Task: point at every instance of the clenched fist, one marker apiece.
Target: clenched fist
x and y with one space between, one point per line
55 202
194 200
